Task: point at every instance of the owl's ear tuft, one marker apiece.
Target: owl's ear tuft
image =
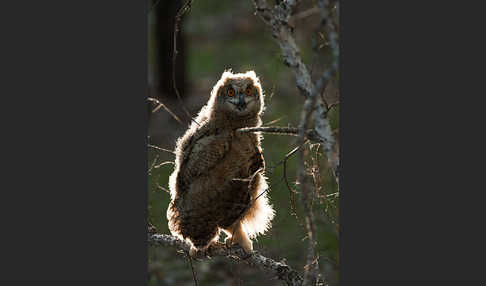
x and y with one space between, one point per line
251 74
227 73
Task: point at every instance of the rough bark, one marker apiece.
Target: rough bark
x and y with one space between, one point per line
310 134
281 270
277 18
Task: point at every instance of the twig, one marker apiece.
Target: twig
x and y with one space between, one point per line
305 14
160 149
332 105
279 269
192 268
278 19
160 104
153 164
311 274
291 191
178 18
275 120
163 164
271 129
159 186
311 134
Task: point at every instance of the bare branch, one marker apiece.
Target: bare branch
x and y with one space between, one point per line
278 19
332 105
186 7
305 14
192 269
153 164
277 130
291 191
160 149
159 186
279 269
275 120
311 273
163 164
160 104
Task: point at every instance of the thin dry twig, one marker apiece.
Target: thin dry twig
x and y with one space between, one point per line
153 164
291 191
304 14
186 7
333 105
163 164
159 186
160 104
192 268
160 149
275 120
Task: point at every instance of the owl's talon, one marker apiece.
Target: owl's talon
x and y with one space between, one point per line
193 252
248 248
228 242
248 253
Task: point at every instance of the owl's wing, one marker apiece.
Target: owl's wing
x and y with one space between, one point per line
202 157
257 161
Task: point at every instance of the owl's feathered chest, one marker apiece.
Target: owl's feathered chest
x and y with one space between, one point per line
216 159
229 153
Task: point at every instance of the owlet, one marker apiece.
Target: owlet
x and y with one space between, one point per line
218 182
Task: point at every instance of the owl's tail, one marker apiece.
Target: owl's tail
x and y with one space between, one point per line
258 218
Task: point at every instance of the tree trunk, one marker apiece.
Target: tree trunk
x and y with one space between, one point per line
161 29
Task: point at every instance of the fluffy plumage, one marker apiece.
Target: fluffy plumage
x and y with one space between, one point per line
218 172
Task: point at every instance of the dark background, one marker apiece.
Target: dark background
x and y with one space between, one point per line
74 190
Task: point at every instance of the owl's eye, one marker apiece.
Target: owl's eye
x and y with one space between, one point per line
231 92
248 91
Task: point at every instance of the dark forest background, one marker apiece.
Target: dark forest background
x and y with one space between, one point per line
214 36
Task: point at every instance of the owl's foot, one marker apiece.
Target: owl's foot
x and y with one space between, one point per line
228 242
193 252
200 252
239 237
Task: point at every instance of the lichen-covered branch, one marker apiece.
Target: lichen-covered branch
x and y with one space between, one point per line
277 18
281 270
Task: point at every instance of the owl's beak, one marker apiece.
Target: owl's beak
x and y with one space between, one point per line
241 104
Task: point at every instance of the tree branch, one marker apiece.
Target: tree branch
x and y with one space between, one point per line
268 265
278 19
311 134
186 7
160 104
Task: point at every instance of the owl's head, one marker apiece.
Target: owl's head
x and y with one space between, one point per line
238 96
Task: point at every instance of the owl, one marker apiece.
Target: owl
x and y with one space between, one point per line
218 183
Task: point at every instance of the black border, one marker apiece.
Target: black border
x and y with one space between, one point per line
76 75
76 159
